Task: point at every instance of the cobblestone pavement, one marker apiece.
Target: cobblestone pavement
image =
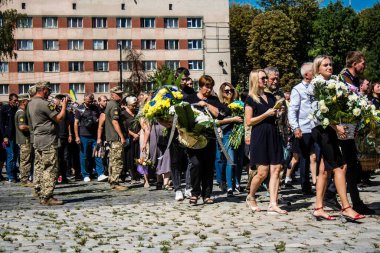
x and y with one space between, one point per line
96 219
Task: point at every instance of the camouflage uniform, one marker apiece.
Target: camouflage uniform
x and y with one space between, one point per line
116 155
23 140
45 131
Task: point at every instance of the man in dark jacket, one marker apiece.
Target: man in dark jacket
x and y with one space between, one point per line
8 132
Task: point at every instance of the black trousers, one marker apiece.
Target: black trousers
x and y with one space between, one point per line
350 156
202 169
305 144
63 157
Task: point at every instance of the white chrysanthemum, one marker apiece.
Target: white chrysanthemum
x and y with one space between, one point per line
363 102
321 103
325 122
171 110
324 109
339 93
373 108
353 97
202 118
356 112
331 85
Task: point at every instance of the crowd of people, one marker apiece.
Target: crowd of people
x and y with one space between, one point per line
49 140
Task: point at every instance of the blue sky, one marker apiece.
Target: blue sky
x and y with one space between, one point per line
358 5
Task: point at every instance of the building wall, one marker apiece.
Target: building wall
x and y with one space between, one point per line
214 34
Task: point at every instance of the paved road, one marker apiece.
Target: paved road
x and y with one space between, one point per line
95 219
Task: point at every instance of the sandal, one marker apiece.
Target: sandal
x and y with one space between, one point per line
168 187
321 217
193 200
250 205
208 201
274 209
349 218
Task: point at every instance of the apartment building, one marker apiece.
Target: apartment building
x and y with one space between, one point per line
78 44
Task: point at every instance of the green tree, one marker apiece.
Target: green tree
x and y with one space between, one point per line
334 33
163 75
241 17
8 20
272 43
303 13
369 40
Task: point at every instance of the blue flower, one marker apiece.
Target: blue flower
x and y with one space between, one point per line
168 95
152 102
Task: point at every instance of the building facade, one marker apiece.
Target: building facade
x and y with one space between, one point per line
77 44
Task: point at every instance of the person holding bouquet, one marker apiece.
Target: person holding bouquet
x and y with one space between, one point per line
325 134
227 94
265 147
202 160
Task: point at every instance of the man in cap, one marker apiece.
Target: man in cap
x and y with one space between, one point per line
23 140
115 136
45 119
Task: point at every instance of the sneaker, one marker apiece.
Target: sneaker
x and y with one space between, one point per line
59 179
11 181
86 179
51 202
188 193
119 188
102 178
178 195
230 193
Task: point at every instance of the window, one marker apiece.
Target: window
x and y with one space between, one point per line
76 45
196 65
74 22
54 87
148 86
150 65
25 45
171 22
172 44
99 22
126 66
101 87
23 88
3 67
24 23
23 6
194 23
123 6
194 44
123 22
76 66
77 87
147 22
101 66
4 89
74 6
24 67
100 44
170 7
51 45
148 44
51 66
172 64
50 22
125 44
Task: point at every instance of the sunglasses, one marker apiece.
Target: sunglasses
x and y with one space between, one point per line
264 78
228 91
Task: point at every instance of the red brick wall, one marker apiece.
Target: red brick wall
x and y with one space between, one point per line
113 65
89 87
63 45
88 66
12 67
87 44
182 22
111 22
136 44
112 45
62 22
87 22
38 45
135 22
64 66
38 66
64 87
184 63
160 63
183 44
160 44
37 22
159 22
13 88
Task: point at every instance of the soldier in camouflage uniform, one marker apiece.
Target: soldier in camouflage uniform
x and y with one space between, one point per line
23 140
115 136
45 118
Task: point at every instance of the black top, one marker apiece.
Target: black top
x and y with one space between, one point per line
261 108
187 91
63 127
349 78
375 101
212 100
88 120
7 121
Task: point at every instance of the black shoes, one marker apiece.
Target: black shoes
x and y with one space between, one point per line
230 193
332 203
363 209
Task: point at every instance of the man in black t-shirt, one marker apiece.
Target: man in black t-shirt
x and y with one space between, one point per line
86 129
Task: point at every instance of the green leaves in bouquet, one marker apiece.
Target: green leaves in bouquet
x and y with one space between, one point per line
165 76
186 118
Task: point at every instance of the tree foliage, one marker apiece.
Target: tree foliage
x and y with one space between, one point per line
334 33
163 75
138 75
241 17
8 20
272 43
369 40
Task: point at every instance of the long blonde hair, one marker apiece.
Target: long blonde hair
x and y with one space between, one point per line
318 61
221 91
254 84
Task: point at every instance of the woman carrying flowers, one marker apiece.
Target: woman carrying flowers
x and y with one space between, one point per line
325 134
227 95
265 147
202 160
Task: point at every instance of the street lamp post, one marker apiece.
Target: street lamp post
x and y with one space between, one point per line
121 68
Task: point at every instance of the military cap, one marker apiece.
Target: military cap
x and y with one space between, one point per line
32 90
42 84
23 97
116 90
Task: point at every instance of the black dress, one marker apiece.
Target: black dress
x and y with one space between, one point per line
265 147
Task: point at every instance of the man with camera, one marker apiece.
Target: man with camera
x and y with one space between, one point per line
86 129
45 118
